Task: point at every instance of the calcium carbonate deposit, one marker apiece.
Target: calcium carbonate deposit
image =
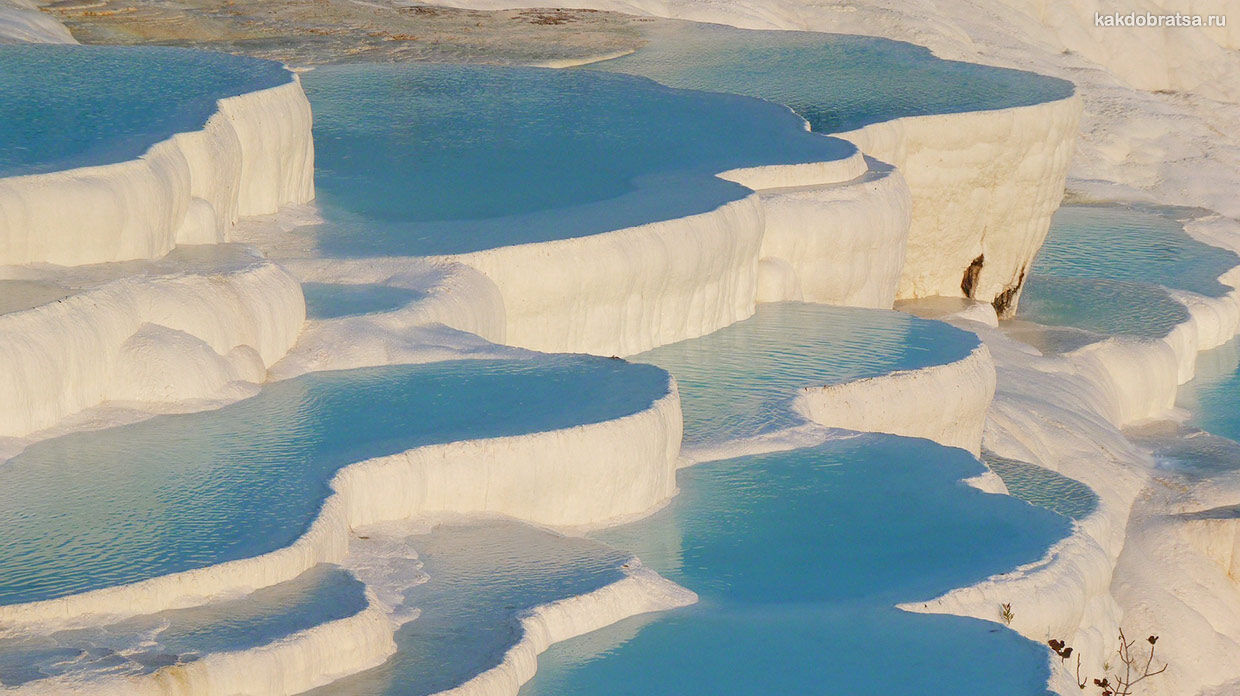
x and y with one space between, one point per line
388 378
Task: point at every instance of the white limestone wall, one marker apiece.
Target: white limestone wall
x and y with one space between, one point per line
577 478
626 291
1217 539
253 155
983 183
615 293
945 403
147 338
460 314
1169 580
572 478
629 290
841 244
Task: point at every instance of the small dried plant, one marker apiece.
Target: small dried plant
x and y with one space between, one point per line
1132 668
1005 613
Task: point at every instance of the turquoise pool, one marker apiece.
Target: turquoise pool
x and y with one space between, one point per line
740 381
1133 244
1043 487
483 575
1104 268
837 82
332 301
115 506
419 159
799 558
144 644
1207 444
74 106
1100 306
1211 395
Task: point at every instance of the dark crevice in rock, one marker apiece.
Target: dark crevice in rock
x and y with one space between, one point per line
969 282
1005 302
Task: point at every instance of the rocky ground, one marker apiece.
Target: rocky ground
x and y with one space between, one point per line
308 32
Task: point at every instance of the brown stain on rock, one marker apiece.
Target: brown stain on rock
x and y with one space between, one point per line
969 282
1005 302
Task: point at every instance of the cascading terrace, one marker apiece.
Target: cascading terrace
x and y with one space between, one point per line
186 485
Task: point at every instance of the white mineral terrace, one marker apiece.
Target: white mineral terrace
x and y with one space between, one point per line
252 156
115 318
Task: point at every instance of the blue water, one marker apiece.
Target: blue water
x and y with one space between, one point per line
1211 396
332 301
115 506
1104 269
436 159
143 644
482 577
836 82
1044 488
1131 244
798 558
73 106
1101 307
740 381
1207 444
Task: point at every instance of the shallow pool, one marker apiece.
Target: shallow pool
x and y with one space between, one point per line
73 106
799 558
173 493
483 575
419 159
740 381
332 301
1105 269
1043 487
1101 307
1210 397
1207 443
1131 244
837 82
146 643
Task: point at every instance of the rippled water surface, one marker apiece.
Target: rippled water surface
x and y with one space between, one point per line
1207 444
483 576
143 644
104 508
1044 488
740 381
1211 396
1125 243
437 159
1102 307
799 558
837 82
332 301
1104 269
73 106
